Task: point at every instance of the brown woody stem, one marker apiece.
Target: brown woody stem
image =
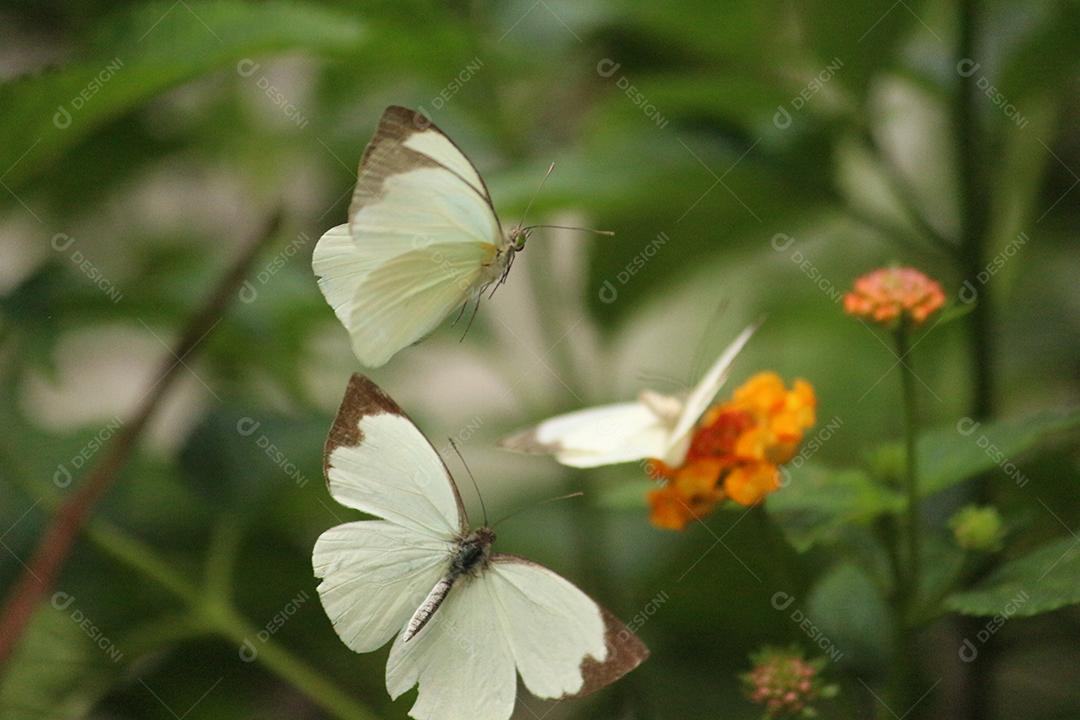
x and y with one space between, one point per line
59 537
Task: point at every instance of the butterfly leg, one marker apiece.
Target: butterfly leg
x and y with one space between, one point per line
472 317
460 313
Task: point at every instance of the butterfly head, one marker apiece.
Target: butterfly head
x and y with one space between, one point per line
484 535
518 236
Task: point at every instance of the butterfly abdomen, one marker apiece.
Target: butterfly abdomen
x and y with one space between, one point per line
427 609
472 554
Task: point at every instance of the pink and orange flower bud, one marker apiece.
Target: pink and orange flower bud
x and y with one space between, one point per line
889 296
786 683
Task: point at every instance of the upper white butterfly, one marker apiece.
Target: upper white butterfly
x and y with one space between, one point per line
422 239
464 621
656 426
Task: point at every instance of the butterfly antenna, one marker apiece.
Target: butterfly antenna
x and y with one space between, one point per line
698 365
542 502
483 508
539 187
609 233
646 376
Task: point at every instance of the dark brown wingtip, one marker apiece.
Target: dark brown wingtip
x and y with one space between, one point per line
404 121
624 653
397 111
362 397
396 124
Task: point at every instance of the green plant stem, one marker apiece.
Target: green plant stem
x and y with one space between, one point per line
207 608
974 220
221 618
292 669
62 532
911 469
905 676
975 682
907 595
141 558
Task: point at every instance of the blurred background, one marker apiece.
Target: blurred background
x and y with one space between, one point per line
753 158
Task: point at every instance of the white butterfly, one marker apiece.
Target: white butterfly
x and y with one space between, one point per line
655 426
422 239
464 621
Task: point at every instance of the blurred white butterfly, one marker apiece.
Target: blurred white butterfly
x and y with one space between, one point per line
655 426
422 239
464 621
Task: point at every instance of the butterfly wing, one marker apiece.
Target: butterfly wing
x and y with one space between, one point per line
374 576
563 643
515 614
461 660
375 573
604 435
415 191
377 461
407 297
705 391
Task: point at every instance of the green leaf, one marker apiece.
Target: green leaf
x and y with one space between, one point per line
862 36
954 311
850 614
1041 581
1045 57
142 52
238 457
817 503
1018 176
729 31
942 563
62 666
951 455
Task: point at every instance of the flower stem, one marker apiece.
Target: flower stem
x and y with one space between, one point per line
975 681
907 595
969 140
911 469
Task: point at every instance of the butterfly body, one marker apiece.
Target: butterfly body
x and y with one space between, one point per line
473 553
470 557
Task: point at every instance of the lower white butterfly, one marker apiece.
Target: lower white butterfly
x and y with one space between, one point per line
655 426
464 621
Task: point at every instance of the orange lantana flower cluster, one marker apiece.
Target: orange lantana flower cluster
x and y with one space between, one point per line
887 295
735 452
